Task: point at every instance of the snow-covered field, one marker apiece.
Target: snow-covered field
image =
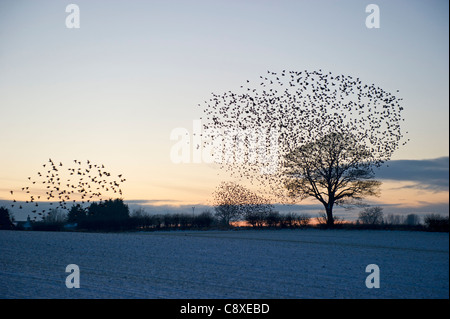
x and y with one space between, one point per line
225 264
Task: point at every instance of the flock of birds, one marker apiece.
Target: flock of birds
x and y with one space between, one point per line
304 106
61 187
299 106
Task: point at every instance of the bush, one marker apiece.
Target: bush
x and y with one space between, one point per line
288 220
303 220
293 220
435 222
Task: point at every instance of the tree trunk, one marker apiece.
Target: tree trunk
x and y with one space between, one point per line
329 211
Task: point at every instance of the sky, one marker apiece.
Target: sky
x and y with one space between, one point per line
113 90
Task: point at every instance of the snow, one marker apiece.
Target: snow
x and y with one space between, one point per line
256 264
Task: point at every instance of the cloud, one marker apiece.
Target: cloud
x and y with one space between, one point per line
429 174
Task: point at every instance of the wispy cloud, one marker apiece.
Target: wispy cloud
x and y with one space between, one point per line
428 174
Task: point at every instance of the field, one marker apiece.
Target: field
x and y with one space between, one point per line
225 264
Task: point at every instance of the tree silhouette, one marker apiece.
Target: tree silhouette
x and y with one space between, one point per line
5 219
233 201
109 210
284 114
334 170
76 214
107 215
371 216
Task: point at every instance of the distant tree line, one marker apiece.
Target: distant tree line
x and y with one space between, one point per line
373 217
275 219
143 221
111 215
114 215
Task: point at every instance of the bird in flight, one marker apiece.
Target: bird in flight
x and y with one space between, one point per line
294 108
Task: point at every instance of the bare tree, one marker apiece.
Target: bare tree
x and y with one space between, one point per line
371 216
333 170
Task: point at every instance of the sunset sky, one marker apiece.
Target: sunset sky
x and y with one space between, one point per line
113 90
